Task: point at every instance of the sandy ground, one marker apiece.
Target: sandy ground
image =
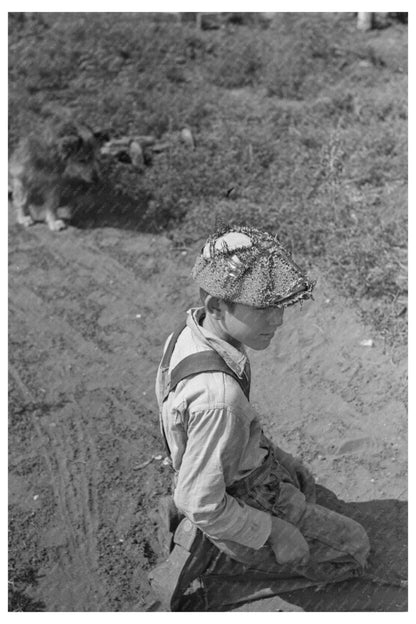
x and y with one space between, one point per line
89 312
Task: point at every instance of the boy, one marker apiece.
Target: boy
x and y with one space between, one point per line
245 513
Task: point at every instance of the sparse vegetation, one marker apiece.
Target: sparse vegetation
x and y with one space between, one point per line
300 127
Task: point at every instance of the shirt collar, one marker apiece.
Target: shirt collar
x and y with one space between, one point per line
234 358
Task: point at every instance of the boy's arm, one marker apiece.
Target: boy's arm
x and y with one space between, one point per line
216 439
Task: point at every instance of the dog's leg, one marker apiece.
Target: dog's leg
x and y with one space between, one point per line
51 207
20 203
54 224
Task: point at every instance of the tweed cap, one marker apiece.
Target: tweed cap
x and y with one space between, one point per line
246 265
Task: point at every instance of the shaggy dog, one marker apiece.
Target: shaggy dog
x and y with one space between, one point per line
64 154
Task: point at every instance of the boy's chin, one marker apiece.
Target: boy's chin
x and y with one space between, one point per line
260 346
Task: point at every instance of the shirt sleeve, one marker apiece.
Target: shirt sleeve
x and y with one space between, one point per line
216 439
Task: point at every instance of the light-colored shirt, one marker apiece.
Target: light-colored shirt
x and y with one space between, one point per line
215 439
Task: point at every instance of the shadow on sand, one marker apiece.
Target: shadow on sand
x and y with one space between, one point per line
101 206
382 588
384 585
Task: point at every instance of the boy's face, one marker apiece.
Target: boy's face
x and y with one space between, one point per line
253 327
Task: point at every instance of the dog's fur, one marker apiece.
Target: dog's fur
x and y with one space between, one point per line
42 164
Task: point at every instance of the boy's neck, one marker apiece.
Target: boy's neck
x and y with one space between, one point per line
214 327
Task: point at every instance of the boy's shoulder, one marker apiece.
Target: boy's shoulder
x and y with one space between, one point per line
210 362
198 371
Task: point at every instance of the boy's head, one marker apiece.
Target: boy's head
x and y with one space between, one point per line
247 278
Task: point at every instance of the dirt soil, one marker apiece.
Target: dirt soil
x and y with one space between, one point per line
89 313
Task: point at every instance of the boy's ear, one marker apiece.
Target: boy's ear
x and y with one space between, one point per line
214 306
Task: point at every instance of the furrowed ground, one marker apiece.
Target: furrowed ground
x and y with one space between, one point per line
300 126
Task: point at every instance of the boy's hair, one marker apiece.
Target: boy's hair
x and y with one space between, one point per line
204 294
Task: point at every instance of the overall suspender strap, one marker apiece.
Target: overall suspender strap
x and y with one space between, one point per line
202 362
169 349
